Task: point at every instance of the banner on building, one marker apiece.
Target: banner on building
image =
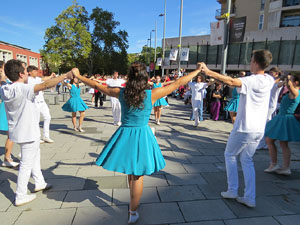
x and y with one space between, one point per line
166 62
159 62
217 33
173 54
184 54
237 29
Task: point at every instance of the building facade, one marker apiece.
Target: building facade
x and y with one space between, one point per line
270 24
10 51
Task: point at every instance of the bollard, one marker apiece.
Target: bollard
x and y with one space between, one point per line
56 100
47 101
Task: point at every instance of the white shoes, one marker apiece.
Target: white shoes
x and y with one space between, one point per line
26 199
42 141
46 186
48 140
246 202
272 168
133 217
119 124
286 172
158 122
228 194
11 164
81 130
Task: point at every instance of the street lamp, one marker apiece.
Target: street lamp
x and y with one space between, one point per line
180 32
164 39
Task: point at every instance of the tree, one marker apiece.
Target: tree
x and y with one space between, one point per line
68 42
108 45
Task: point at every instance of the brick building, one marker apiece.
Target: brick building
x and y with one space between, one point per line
11 51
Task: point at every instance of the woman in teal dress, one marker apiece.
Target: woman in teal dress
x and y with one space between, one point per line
75 103
8 161
160 102
284 127
233 104
133 149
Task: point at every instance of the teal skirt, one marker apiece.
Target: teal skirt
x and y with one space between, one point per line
3 119
132 151
160 102
232 105
74 104
283 127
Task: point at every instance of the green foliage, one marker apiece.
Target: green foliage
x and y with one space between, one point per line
70 42
144 55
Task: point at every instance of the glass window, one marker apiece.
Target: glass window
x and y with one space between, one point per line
297 54
290 21
286 52
262 5
202 53
193 55
246 53
212 54
273 47
233 56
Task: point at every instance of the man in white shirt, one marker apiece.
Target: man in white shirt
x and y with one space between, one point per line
23 125
115 103
39 101
198 91
249 126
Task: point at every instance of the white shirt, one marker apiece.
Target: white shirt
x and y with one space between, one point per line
254 103
198 90
39 97
115 82
23 125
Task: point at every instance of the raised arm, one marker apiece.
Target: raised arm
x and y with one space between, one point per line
53 75
234 82
52 82
158 93
169 82
114 92
294 92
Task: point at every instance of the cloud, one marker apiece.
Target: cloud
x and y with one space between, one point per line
22 26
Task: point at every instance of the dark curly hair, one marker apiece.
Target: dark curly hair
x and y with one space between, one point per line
136 85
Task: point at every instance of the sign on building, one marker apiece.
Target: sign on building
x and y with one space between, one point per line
217 33
173 54
237 29
159 61
184 54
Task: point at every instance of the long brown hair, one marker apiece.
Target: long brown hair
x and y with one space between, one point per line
136 85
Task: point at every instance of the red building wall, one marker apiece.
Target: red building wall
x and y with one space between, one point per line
18 50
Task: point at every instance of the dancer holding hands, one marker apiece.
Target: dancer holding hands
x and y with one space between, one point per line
133 149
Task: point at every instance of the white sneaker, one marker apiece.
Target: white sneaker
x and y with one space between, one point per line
26 199
119 124
81 130
133 217
10 164
246 202
286 172
46 186
228 194
42 141
48 140
272 169
158 122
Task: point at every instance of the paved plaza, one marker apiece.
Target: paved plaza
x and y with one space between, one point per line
186 191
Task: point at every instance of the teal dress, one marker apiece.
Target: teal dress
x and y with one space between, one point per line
284 126
3 118
133 149
75 103
233 104
161 101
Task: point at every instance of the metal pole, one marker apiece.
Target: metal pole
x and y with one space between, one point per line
164 42
180 32
150 53
226 32
155 46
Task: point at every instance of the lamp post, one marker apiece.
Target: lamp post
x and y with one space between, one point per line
164 38
155 46
180 32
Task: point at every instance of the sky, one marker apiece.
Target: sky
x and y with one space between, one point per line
24 22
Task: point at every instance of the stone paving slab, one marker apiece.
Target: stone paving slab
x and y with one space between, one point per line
9 218
180 193
87 198
66 184
47 217
288 220
185 179
203 223
253 221
200 167
205 210
101 216
106 182
122 196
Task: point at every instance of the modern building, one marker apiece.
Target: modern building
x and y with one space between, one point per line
270 24
11 51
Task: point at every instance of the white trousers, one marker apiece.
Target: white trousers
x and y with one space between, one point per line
116 109
243 145
30 165
44 110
